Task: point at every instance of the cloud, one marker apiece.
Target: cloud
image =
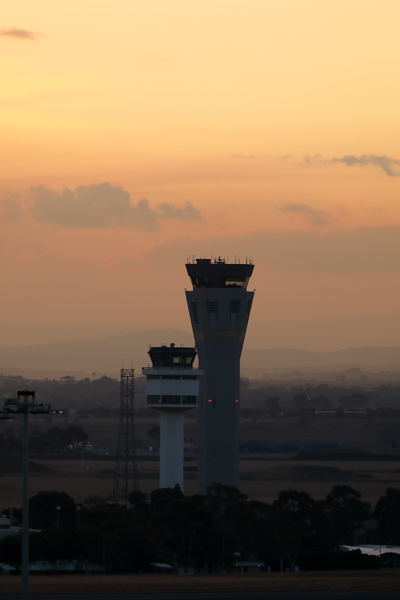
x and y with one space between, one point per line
99 206
315 216
390 166
21 34
312 160
188 213
94 206
11 210
363 250
243 156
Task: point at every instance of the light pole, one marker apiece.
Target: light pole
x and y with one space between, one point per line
78 515
104 553
223 552
58 508
18 406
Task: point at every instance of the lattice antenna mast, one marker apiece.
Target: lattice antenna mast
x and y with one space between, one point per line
126 474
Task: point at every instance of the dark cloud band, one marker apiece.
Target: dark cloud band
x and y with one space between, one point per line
21 34
390 166
368 249
188 213
99 206
315 216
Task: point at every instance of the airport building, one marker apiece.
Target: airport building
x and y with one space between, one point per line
219 307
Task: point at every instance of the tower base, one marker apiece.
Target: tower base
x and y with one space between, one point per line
171 448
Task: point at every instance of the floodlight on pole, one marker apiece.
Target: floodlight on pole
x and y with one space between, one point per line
23 406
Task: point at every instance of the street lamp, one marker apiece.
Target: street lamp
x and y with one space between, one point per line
18 406
58 508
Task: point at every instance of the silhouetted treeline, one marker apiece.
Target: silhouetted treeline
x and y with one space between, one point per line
101 397
54 439
207 532
68 393
273 398
382 413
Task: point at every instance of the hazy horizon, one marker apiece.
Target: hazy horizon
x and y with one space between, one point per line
188 332
107 356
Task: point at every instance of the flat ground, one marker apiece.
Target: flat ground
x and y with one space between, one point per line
355 433
81 585
259 479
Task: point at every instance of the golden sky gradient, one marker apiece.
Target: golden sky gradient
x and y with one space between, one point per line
134 134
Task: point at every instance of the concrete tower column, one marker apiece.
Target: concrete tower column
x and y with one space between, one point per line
171 448
219 308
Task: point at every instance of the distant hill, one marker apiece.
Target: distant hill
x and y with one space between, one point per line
369 356
103 357
108 356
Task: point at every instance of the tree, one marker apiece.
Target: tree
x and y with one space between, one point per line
387 513
340 412
359 399
296 505
154 433
225 501
250 528
126 549
345 510
164 496
180 528
137 500
321 403
299 400
284 540
43 507
272 403
10 551
57 438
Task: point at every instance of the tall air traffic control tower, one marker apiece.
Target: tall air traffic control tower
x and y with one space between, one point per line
219 308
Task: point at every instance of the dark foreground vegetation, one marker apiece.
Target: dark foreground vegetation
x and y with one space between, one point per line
206 533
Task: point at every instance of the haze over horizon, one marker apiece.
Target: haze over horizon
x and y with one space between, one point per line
138 134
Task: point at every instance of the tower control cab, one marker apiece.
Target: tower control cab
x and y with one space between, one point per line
172 382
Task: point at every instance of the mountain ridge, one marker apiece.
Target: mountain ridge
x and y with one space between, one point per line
109 355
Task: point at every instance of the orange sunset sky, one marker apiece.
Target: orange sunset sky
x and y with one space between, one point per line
136 133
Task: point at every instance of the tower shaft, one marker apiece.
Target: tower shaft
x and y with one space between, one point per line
171 448
219 308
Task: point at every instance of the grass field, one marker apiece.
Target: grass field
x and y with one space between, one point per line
131 584
259 479
356 433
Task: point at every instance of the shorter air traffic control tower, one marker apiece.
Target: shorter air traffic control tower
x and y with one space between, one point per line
172 387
